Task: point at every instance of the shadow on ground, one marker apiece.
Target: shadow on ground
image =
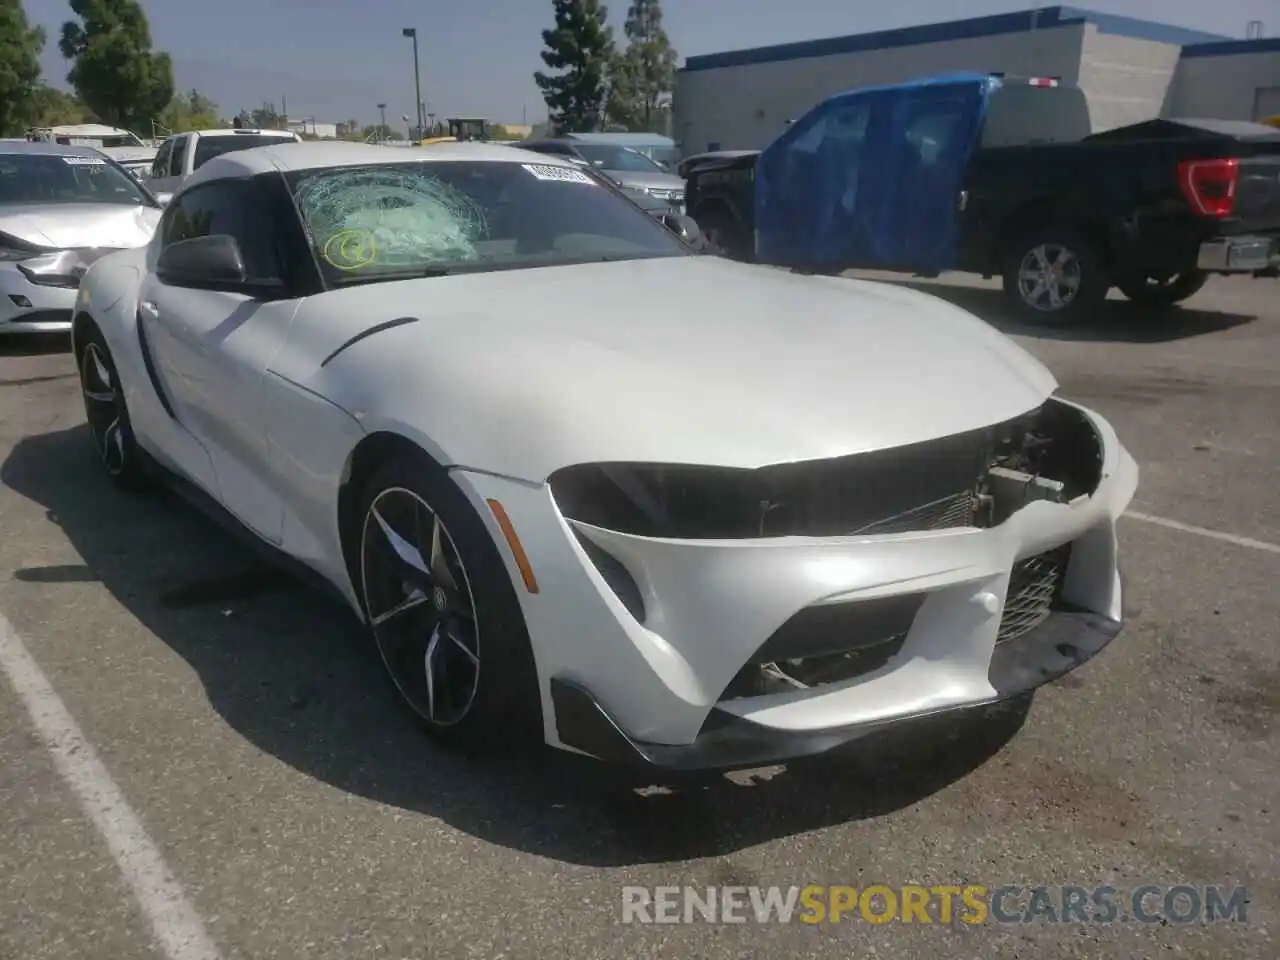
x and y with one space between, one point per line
293 673
34 344
1116 321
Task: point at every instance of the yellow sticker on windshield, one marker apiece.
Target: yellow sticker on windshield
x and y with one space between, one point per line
350 249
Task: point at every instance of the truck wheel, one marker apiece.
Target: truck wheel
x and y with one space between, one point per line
1163 291
1054 276
724 235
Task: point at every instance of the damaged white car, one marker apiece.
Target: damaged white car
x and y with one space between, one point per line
582 481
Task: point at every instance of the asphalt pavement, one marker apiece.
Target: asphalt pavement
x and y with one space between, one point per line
200 760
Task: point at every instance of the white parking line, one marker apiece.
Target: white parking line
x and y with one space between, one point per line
1205 532
177 927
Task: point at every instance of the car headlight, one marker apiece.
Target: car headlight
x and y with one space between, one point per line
59 268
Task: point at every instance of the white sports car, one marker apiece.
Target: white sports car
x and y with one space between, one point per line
581 480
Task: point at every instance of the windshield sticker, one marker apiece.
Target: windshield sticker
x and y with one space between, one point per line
351 249
84 161
370 217
558 174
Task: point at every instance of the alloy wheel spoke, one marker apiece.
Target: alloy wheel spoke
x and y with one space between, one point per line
100 368
406 552
431 667
451 634
439 565
415 599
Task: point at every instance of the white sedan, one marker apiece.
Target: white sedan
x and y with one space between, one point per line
584 483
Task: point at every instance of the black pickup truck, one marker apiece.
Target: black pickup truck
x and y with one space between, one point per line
1000 176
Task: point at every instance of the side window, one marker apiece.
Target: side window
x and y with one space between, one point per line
160 166
237 208
932 131
179 154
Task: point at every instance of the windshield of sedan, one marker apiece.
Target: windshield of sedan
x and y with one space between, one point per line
52 178
391 221
618 158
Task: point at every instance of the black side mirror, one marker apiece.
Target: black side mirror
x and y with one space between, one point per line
684 227
210 263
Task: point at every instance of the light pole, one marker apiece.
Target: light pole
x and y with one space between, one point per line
382 130
412 33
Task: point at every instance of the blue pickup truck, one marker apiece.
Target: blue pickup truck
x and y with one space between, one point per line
1002 177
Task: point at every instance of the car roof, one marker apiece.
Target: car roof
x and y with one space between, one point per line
240 132
311 155
42 148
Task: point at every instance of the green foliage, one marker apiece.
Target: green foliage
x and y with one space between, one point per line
191 111
642 77
581 48
264 117
20 46
114 69
53 108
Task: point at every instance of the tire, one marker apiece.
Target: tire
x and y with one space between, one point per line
1154 292
107 414
1024 267
455 645
724 234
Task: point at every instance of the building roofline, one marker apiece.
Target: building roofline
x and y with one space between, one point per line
1231 48
996 25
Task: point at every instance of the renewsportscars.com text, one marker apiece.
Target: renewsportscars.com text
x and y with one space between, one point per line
943 904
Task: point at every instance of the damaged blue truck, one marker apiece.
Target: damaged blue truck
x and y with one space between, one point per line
1002 177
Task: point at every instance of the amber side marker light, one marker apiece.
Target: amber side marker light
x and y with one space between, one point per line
517 549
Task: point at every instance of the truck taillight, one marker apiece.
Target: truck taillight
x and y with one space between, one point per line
1210 185
1043 81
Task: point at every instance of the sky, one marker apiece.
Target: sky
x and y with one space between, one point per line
337 59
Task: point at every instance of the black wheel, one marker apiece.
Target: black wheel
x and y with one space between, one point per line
442 609
107 414
1163 291
1054 276
724 235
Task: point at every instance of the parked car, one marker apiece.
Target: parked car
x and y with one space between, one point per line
184 154
633 169
1000 176
586 486
138 162
61 208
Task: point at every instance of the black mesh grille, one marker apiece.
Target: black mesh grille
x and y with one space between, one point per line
1034 587
957 510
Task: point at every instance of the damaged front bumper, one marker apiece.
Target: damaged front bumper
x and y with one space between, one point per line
1062 642
642 642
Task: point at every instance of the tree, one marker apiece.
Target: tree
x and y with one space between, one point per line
114 71
191 111
642 77
265 118
581 47
53 107
20 47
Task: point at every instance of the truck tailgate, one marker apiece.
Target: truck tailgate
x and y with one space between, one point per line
1258 189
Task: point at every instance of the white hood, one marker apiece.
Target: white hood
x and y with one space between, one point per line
65 225
684 360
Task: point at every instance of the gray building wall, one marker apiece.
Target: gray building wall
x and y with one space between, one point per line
1239 86
1124 79
745 107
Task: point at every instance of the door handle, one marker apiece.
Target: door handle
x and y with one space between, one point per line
149 310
